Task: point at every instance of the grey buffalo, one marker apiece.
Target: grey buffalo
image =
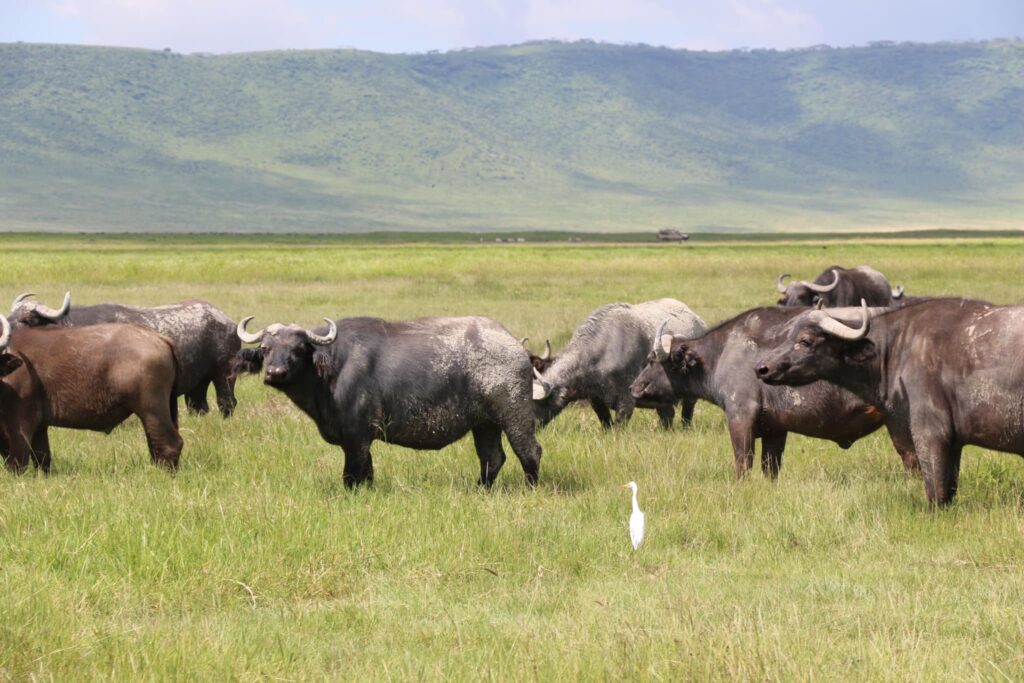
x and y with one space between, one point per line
838 286
203 335
91 378
421 384
603 356
944 373
718 367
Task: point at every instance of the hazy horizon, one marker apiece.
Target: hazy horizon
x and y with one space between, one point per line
404 26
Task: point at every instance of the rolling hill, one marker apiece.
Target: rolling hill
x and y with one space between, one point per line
537 136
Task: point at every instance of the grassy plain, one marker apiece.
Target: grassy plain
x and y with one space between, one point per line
254 562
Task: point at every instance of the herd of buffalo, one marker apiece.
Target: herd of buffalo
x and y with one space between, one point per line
838 358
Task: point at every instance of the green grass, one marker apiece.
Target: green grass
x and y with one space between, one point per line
532 137
255 563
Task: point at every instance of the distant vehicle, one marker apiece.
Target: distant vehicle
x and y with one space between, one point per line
670 235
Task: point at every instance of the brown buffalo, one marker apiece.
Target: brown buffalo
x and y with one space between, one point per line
85 378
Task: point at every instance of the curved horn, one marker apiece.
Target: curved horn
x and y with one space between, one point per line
522 342
660 352
5 336
898 292
838 329
547 350
21 297
821 289
245 336
778 283
47 312
541 389
324 340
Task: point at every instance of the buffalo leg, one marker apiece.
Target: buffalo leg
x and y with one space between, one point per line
487 439
688 405
224 385
602 412
940 466
741 433
904 445
19 428
910 464
20 455
41 449
666 415
772 446
526 448
165 443
195 400
358 465
624 410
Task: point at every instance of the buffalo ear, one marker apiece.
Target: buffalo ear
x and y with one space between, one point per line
325 365
9 364
247 361
677 356
859 352
685 358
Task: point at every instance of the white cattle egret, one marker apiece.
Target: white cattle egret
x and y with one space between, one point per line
636 520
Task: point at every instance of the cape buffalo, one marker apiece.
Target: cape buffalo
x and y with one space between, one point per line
89 378
605 353
543 361
203 335
717 368
421 384
838 286
944 373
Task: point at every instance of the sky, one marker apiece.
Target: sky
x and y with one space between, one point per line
222 26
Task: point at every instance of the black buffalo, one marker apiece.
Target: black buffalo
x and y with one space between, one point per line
717 367
421 384
838 286
203 335
90 378
604 355
944 373
544 360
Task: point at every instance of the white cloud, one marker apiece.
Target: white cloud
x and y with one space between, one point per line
770 24
198 25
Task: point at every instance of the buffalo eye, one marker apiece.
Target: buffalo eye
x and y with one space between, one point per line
805 342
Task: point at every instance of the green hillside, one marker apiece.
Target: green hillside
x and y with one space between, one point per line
537 136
